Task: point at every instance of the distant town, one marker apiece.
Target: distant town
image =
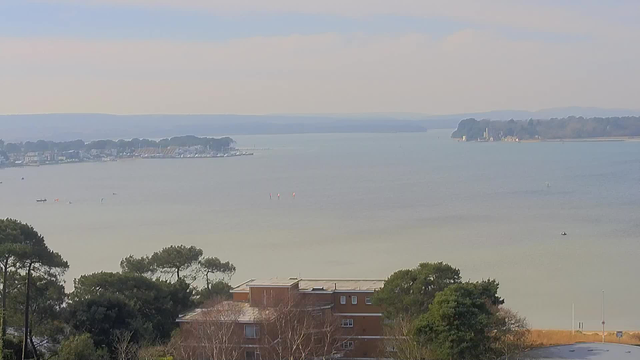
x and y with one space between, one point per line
48 153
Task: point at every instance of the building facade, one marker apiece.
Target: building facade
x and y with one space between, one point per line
346 323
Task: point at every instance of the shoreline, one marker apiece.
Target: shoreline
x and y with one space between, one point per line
121 159
595 139
545 338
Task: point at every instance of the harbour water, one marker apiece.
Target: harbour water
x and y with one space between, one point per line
365 206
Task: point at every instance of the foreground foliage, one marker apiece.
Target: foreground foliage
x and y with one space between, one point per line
131 315
433 315
108 315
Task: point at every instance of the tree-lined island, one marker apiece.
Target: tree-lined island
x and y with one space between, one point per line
43 152
553 129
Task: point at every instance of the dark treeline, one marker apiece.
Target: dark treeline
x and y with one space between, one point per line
214 144
432 314
566 128
108 314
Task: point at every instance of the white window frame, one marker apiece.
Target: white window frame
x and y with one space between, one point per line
256 331
354 300
343 300
348 345
368 300
346 323
256 354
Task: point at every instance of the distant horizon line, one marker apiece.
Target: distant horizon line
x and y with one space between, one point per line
328 113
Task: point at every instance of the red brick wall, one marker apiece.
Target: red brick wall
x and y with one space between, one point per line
361 307
241 296
268 296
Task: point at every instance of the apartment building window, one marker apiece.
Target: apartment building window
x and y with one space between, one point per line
347 345
251 355
367 300
354 300
251 331
347 323
343 300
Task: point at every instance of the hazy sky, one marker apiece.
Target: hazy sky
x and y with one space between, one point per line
293 56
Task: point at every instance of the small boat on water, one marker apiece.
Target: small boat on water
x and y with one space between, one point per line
563 233
41 200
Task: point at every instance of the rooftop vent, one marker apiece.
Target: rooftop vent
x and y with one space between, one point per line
317 288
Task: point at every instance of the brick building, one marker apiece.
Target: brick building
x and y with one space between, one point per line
261 308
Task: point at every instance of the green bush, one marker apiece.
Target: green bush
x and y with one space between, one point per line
80 348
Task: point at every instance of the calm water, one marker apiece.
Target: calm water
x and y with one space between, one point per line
366 205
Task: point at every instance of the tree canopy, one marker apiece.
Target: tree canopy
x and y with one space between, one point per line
151 306
410 292
104 308
177 260
138 266
47 300
80 347
436 316
212 266
214 144
459 323
23 251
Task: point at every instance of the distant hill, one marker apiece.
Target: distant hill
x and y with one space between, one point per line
64 127
587 112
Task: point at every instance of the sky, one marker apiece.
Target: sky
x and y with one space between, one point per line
307 56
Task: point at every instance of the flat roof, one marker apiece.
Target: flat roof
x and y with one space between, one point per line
271 282
227 311
586 351
317 284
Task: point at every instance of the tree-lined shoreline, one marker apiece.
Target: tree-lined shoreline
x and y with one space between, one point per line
43 152
570 128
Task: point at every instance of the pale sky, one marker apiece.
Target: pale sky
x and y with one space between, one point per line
307 56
